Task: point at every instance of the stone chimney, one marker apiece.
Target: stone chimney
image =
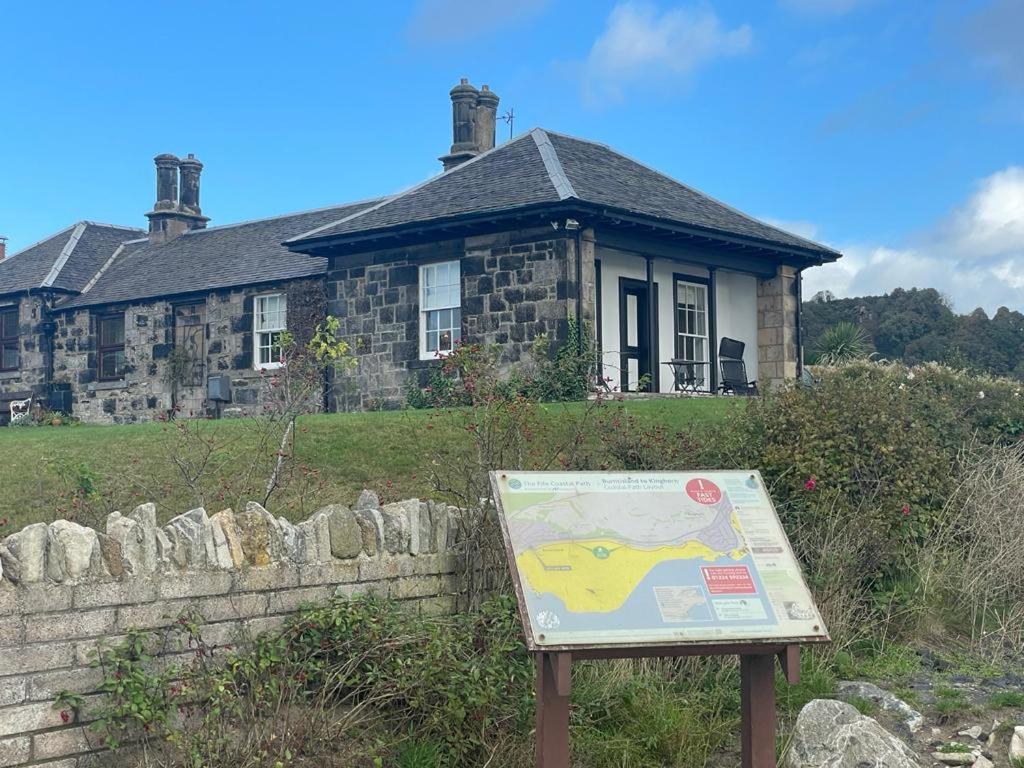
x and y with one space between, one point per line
190 168
464 98
172 216
3 247
486 118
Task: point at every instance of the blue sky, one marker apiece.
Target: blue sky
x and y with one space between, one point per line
893 130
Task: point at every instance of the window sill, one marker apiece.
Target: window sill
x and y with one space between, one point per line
103 386
9 375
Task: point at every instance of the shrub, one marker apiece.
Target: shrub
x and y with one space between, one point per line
459 683
843 343
880 441
473 371
976 558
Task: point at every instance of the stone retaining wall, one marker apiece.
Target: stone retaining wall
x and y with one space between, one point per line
65 588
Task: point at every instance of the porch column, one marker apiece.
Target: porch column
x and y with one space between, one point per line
777 328
652 328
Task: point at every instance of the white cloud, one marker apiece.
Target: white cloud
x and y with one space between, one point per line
644 47
440 21
975 255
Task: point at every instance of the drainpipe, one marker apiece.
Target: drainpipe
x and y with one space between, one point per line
574 226
799 324
579 290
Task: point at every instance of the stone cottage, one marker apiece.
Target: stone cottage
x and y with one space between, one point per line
509 242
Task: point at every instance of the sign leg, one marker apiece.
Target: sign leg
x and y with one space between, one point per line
757 682
553 687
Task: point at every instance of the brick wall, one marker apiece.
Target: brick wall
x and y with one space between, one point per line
65 588
515 286
145 392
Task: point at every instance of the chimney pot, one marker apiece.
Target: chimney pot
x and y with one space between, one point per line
190 169
166 182
3 247
486 119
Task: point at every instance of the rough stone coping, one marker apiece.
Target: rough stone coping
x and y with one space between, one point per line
134 546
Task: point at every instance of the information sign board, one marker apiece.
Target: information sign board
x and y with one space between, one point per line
605 559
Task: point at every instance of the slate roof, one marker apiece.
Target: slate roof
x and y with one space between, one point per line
65 261
546 167
215 258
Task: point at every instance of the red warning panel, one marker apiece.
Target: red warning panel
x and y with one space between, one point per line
728 580
703 491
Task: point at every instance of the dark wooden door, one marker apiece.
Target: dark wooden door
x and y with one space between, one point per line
636 337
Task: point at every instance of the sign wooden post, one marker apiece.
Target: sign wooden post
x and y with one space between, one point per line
554 684
657 564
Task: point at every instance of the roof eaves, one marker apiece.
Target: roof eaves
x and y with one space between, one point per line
65 254
559 179
415 188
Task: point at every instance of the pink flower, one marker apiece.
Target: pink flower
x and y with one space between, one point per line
64 716
811 484
906 510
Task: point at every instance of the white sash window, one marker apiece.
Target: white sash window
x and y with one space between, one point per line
440 308
270 315
691 321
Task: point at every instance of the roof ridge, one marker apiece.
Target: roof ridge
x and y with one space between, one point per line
106 265
219 227
552 164
737 211
65 254
111 226
409 191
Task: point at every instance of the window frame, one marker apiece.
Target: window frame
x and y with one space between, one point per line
426 354
197 371
258 332
102 349
705 287
6 341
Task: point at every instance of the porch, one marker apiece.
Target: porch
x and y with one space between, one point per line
658 316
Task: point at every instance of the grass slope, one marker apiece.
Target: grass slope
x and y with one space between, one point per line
350 451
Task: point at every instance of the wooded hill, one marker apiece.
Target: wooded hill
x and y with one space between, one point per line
918 326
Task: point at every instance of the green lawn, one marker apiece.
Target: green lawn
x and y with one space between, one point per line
124 465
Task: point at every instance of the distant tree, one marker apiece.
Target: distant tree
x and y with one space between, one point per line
918 325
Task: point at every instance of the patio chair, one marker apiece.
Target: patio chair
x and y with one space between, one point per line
734 370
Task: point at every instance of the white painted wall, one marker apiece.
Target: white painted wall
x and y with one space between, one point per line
736 314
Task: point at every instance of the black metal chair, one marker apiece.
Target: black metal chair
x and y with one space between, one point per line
734 370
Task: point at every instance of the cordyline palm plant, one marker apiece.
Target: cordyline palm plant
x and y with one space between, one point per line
843 343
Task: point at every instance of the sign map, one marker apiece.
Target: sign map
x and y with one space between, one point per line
651 558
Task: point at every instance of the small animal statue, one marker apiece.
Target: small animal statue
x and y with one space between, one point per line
21 410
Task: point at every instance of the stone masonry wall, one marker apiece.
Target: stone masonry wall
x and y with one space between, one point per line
65 588
776 328
515 287
31 376
145 393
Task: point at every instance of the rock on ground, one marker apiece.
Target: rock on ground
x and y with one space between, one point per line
912 720
832 734
1017 746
